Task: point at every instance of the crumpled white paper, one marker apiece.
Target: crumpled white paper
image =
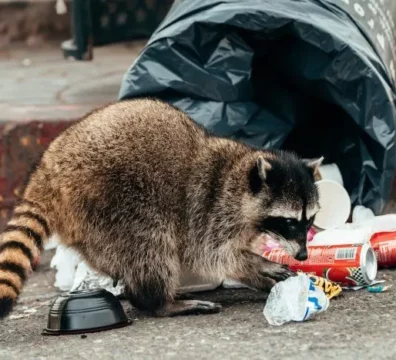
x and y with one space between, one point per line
295 299
74 274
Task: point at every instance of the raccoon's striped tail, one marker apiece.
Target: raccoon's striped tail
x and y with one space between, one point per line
20 248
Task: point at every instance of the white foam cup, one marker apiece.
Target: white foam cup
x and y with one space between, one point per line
335 205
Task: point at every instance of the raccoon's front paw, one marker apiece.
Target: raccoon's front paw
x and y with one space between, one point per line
278 272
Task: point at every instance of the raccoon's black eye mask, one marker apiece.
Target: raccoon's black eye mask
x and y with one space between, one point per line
280 224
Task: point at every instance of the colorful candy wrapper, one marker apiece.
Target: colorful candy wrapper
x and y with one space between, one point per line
330 288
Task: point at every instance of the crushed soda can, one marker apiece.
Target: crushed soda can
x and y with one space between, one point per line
384 245
348 265
295 299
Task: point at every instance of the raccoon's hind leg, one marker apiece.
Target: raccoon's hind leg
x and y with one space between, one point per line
151 283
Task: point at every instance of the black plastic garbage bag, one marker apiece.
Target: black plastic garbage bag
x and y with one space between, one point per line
312 76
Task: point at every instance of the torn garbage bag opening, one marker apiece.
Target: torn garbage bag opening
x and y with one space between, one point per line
312 76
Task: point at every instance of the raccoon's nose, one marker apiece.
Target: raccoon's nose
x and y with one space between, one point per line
302 255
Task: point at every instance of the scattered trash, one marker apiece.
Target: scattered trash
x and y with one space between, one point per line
359 287
65 262
74 274
379 231
379 288
351 235
87 279
295 299
340 258
348 265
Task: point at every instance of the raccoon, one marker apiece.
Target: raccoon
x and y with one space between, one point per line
141 191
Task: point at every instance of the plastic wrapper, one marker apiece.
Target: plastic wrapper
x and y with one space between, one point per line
87 279
295 299
379 288
331 289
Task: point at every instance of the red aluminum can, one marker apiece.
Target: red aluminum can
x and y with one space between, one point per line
347 265
384 245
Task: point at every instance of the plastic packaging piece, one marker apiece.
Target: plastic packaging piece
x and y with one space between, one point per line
359 287
87 279
341 236
379 288
361 214
384 223
356 233
65 262
74 274
268 74
331 289
295 299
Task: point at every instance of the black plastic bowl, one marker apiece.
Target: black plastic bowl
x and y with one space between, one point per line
85 311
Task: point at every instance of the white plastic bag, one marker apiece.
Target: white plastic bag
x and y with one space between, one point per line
295 299
65 262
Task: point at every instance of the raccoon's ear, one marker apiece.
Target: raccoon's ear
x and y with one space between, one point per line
258 174
314 164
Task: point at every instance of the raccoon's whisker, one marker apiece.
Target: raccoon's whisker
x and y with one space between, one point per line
276 235
284 242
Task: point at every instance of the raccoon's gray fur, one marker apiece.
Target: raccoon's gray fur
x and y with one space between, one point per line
139 190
